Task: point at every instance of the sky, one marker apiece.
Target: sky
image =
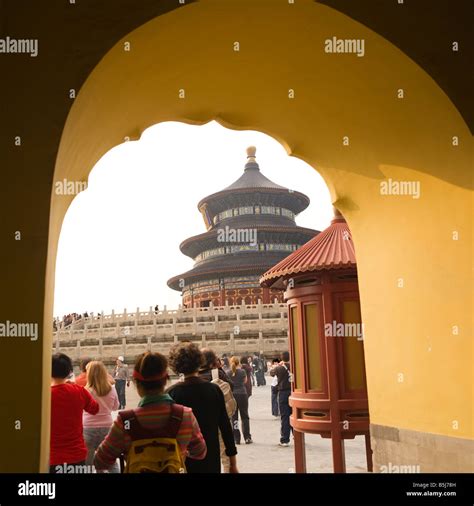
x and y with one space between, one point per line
120 238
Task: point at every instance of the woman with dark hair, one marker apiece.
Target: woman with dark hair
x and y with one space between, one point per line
68 401
81 379
212 370
240 379
225 365
246 364
154 413
207 402
210 362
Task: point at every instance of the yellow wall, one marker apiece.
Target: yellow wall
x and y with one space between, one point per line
282 47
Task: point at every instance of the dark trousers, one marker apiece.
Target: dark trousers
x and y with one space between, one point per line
120 387
260 378
243 408
275 407
285 412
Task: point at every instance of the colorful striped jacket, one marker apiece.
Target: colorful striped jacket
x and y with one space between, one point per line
153 413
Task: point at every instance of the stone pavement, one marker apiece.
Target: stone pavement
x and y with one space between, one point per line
265 456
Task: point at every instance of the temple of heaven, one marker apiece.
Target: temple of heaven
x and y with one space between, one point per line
250 228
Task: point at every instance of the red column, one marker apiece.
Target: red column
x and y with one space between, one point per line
266 296
339 460
300 453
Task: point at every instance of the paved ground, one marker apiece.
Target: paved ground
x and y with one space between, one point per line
265 456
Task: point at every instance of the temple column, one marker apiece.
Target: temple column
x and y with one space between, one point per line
266 295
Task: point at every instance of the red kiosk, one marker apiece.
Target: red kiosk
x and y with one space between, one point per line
329 391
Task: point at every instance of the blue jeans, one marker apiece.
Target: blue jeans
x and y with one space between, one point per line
120 387
93 436
285 412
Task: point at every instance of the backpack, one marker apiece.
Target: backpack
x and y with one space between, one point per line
290 374
230 402
153 450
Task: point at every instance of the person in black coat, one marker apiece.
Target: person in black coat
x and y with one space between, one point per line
207 402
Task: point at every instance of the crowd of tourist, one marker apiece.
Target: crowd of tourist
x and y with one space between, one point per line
67 319
190 425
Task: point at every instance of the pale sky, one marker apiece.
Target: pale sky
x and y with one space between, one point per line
119 242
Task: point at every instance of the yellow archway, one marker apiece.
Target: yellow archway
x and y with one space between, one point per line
264 68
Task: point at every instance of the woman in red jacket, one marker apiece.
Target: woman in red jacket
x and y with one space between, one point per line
68 401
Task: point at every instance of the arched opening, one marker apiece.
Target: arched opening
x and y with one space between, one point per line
137 206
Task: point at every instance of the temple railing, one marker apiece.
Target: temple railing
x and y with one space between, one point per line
227 329
176 317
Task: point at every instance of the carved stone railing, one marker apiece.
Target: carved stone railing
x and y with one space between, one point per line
227 329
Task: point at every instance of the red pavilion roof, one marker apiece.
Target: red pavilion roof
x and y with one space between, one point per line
331 249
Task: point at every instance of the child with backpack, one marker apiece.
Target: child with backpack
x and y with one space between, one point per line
157 436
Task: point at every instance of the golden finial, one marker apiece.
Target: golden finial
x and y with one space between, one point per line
251 151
